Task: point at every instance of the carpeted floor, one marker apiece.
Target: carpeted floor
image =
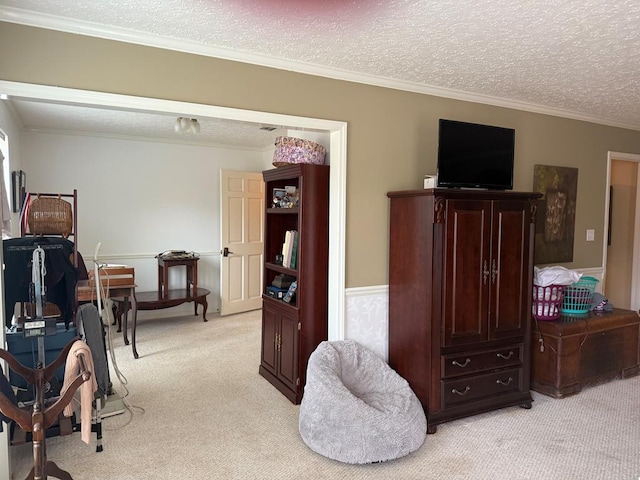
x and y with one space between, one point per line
200 410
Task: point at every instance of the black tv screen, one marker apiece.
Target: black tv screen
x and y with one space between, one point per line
471 155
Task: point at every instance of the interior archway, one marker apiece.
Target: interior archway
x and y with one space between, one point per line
337 154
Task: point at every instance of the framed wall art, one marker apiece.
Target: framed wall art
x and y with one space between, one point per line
556 215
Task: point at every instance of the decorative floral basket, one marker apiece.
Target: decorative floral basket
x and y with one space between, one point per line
579 296
547 302
291 150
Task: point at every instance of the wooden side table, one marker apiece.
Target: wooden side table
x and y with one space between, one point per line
163 274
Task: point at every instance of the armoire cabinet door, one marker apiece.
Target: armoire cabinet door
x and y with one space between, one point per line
509 269
467 274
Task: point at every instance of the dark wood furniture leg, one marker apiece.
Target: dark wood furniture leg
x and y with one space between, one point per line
194 278
50 469
202 299
117 317
160 278
125 322
134 314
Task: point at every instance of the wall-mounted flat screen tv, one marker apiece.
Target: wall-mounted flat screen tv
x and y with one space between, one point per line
471 155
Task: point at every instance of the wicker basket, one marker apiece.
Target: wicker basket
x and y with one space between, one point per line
50 216
291 150
547 302
579 296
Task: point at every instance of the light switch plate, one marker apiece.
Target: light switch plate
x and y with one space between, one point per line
591 235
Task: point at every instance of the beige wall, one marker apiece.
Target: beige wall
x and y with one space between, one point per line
392 135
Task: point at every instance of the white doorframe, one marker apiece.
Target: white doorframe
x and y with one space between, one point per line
5 460
635 270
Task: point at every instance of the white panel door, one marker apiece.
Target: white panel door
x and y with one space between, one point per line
241 222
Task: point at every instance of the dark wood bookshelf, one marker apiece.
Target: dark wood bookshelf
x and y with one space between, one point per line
291 331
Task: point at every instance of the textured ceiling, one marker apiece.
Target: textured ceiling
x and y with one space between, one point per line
577 58
42 116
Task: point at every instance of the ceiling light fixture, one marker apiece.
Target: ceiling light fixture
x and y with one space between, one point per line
187 125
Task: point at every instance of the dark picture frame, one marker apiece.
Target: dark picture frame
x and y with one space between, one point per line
556 213
18 189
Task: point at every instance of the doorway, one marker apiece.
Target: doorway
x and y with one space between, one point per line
241 232
621 254
337 131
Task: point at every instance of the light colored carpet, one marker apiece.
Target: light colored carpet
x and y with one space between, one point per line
208 414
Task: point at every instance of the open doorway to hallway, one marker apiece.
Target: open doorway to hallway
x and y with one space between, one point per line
621 246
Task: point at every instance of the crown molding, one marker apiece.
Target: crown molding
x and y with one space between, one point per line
63 24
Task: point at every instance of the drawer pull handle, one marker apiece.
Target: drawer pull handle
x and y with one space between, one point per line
458 364
504 383
467 389
505 357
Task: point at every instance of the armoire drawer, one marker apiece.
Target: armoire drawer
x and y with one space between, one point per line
466 363
474 387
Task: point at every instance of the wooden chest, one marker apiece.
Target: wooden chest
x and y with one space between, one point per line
575 351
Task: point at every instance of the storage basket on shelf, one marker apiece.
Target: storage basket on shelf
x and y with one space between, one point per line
50 216
579 295
547 301
291 150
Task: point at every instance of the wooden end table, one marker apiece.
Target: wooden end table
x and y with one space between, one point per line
163 273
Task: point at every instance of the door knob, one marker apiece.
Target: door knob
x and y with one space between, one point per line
225 252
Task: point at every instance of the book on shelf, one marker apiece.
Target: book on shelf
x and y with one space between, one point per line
290 242
294 251
285 248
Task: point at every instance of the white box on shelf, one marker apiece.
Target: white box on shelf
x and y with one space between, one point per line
430 181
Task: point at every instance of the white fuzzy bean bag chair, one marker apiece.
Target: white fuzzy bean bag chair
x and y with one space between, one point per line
357 409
